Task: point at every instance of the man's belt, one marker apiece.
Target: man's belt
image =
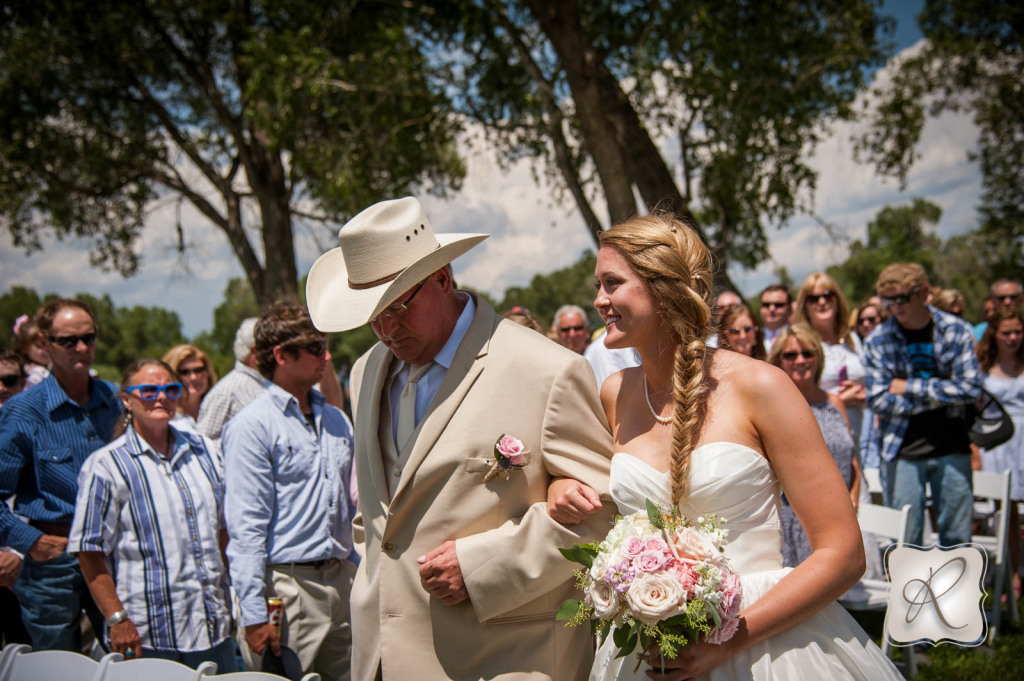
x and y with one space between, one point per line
56 529
308 564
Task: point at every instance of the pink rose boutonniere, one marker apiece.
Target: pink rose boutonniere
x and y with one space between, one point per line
509 454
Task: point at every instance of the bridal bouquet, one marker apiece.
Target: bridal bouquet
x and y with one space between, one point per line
657 580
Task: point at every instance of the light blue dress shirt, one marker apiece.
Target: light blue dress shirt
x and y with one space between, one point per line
288 497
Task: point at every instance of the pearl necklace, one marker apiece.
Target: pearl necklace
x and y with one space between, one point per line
657 417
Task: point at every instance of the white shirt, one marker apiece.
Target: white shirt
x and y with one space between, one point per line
606 361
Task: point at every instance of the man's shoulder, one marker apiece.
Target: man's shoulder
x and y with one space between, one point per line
257 411
511 340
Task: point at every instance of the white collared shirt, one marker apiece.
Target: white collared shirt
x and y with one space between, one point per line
431 381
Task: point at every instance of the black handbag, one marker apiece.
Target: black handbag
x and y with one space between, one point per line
991 426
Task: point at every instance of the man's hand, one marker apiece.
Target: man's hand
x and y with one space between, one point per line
898 386
259 636
124 639
570 501
441 575
48 547
10 567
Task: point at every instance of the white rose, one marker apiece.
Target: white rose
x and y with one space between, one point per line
601 563
653 597
604 598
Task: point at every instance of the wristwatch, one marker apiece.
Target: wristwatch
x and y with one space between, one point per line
116 618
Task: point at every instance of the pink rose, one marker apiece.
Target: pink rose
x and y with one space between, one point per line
655 544
720 635
649 561
732 594
512 449
632 547
684 573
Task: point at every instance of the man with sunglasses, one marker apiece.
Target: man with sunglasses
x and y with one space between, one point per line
776 306
1005 293
288 506
461 577
921 374
46 433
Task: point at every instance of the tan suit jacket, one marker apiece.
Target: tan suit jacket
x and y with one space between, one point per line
505 379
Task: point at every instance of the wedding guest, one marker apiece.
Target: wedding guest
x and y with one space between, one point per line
798 352
1001 358
12 374
523 317
921 374
724 301
571 328
32 346
740 332
197 375
776 306
988 308
288 463
1005 293
821 305
12 629
46 433
149 531
950 300
239 387
692 429
865 318
462 576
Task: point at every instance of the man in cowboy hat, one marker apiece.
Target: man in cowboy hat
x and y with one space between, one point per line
461 577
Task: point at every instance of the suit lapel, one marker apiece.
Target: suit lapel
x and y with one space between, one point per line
376 374
470 360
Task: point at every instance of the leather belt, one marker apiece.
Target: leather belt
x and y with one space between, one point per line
55 529
308 564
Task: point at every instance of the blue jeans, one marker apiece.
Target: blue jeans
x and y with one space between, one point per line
903 482
223 654
52 596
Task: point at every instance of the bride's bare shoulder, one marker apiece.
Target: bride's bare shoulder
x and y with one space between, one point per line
747 376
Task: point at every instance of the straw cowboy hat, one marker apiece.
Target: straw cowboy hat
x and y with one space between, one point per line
384 251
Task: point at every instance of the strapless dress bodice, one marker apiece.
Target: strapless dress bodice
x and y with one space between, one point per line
728 479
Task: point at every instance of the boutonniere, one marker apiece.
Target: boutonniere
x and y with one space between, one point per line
509 455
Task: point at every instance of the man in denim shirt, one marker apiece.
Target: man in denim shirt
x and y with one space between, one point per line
921 374
46 433
287 465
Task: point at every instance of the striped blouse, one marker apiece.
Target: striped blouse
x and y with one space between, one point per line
157 520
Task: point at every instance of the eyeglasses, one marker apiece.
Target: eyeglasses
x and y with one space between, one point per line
398 309
741 331
775 306
149 392
11 380
900 298
1010 297
566 329
198 371
868 320
793 354
71 342
313 347
817 297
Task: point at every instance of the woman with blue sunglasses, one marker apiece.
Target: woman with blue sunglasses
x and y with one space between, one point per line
149 530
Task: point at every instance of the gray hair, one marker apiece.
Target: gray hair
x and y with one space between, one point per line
570 309
244 338
1020 289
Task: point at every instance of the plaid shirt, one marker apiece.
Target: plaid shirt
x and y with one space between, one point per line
886 358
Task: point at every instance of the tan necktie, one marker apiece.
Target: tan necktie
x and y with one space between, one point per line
407 405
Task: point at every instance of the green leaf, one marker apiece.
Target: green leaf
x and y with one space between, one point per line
568 610
654 513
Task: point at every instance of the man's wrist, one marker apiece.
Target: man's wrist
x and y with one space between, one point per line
116 618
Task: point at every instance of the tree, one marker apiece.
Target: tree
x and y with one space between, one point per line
700 107
255 113
16 302
971 61
573 285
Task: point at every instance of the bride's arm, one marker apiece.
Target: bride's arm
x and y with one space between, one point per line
792 440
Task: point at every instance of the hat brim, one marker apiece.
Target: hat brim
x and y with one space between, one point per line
334 306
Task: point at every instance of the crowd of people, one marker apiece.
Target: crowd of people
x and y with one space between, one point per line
199 519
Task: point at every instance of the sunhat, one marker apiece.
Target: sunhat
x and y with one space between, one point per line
384 251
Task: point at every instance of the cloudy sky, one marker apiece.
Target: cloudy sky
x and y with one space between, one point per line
530 233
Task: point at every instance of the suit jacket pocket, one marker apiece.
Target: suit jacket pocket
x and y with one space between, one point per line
539 608
475 465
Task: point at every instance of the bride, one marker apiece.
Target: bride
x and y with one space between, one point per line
715 431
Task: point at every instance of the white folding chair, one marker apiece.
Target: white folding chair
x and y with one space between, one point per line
151 669
996 488
262 676
21 664
890 525
873 478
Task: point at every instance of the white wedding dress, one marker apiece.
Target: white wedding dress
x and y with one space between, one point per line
740 486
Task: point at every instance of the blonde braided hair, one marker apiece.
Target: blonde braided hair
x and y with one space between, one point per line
667 253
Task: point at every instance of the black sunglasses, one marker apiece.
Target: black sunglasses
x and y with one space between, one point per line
793 354
71 342
775 306
149 392
199 371
567 329
815 297
900 298
11 380
314 347
868 320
